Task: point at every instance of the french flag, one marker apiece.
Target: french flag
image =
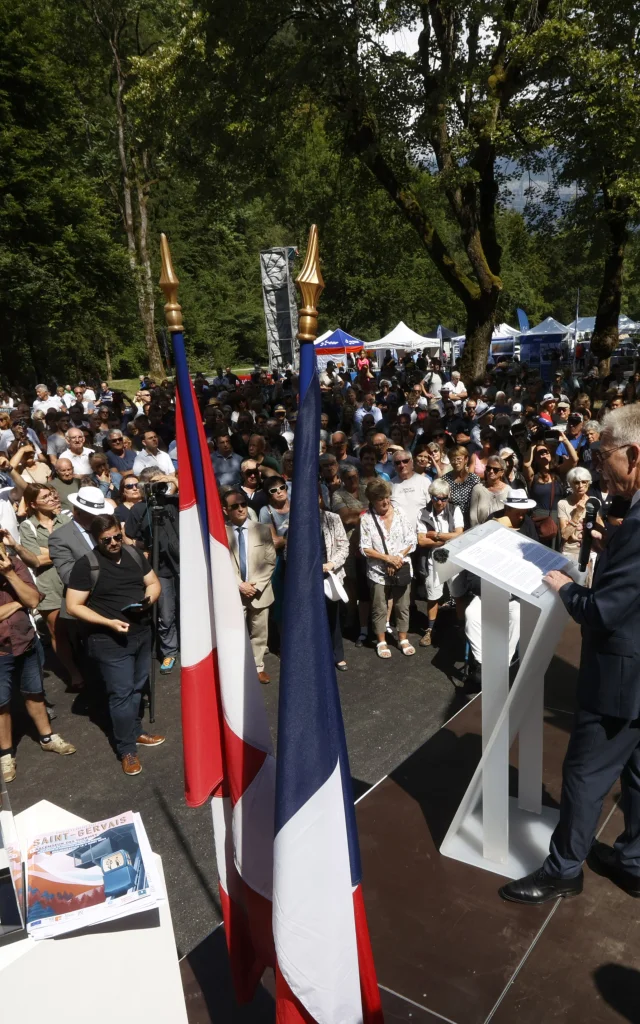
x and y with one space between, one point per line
227 745
325 971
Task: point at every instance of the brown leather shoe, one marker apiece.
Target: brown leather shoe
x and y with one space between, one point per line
131 764
263 677
147 739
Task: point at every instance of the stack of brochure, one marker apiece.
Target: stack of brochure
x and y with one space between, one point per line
85 876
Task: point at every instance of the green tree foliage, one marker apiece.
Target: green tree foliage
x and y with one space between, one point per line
235 124
63 282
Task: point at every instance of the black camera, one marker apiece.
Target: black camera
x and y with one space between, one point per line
155 492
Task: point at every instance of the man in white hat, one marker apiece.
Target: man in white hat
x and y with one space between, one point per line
71 542
66 546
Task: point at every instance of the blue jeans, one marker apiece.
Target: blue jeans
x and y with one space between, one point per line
123 661
23 669
167 624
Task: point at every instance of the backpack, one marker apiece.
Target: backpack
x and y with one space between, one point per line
94 564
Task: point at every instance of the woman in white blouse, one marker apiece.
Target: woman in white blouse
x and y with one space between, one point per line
386 540
336 550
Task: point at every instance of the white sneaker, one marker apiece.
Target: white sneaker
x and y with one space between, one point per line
8 767
57 745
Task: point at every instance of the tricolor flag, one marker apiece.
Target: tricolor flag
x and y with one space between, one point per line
227 744
325 970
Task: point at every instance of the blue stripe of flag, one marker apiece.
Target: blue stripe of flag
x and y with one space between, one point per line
311 738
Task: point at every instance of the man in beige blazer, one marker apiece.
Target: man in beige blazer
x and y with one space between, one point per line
254 558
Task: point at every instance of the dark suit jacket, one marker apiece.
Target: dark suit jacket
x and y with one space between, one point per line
66 546
609 613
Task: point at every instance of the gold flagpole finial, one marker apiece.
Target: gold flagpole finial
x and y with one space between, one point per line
310 285
169 284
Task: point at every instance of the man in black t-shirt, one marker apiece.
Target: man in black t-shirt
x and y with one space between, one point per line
111 589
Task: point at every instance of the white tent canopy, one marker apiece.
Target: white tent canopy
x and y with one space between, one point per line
548 326
403 337
501 332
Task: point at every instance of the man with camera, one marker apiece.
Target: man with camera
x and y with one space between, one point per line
110 591
159 511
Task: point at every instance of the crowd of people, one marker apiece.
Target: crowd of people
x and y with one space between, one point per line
410 457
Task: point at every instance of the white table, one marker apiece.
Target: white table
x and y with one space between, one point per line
124 969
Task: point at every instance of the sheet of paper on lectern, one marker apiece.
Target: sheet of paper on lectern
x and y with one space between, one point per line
513 559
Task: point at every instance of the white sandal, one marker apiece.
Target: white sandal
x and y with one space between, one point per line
386 653
407 648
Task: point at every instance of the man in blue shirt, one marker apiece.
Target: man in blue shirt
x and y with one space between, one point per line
119 458
106 394
575 436
227 466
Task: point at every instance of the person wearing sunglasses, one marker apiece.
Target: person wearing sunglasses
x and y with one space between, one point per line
111 590
129 495
276 512
410 489
253 555
119 458
251 485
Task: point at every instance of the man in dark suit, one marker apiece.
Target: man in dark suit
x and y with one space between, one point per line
605 739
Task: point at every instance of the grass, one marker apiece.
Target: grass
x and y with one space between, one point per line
130 385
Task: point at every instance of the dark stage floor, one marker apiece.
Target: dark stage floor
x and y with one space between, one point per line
446 946
390 708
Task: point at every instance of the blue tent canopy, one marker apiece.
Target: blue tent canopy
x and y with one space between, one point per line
339 341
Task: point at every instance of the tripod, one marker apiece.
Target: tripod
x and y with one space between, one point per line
158 515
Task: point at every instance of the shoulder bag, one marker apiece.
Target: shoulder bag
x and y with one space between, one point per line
546 526
396 577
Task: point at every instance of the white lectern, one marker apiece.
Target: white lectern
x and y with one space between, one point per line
509 836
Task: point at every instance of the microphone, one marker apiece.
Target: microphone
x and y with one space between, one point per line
441 555
593 507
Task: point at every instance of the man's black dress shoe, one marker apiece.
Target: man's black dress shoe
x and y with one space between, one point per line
539 887
604 861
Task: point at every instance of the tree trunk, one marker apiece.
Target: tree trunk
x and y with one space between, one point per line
136 246
156 366
107 359
480 324
605 336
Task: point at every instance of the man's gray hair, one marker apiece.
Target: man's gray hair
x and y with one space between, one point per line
578 475
41 387
327 458
115 433
594 426
439 488
345 469
623 425
403 451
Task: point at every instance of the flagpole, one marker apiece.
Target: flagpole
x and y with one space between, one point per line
310 285
325 967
